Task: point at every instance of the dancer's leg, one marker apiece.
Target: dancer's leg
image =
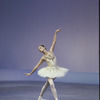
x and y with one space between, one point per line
43 90
53 89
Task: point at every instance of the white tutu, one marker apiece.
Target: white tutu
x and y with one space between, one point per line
52 70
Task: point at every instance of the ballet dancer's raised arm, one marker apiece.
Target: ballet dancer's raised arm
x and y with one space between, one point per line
54 40
36 67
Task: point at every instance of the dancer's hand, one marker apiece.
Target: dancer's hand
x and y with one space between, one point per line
58 30
27 74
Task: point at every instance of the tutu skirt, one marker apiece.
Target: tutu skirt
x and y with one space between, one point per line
52 71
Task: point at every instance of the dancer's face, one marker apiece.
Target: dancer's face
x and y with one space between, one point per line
41 48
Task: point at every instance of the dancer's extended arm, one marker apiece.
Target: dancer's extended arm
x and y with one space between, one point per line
36 67
54 40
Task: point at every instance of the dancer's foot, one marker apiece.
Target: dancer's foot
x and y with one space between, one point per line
40 98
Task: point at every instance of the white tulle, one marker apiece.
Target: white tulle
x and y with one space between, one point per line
52 70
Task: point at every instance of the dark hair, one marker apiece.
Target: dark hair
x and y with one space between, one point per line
43 46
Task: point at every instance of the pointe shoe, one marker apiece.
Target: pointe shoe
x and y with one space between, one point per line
40 98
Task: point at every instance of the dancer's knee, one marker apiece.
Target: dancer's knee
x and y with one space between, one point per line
47 83
51 83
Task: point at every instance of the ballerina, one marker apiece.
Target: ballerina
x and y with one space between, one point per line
51 71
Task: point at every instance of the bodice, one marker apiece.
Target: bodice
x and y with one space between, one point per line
51 61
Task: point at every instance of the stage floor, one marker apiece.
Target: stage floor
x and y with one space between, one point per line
31 90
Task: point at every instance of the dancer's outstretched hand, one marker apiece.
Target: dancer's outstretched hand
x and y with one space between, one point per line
58 30
27 74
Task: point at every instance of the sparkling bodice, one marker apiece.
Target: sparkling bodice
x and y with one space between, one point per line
51 59
51 62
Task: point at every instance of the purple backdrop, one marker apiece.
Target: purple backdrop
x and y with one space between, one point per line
25 24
